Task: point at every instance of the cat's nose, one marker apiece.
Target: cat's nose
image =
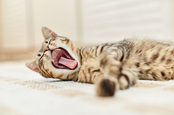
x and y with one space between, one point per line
46 48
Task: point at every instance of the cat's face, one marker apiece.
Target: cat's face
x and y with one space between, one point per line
57 56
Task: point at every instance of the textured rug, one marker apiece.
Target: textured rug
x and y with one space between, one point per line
23 92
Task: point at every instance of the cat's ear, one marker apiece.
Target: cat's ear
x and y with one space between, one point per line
47 33
33 66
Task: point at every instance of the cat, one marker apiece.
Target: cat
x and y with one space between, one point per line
110 66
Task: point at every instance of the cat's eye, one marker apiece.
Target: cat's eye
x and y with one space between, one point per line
46 42
39 55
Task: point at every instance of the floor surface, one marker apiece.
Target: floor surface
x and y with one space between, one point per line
23 92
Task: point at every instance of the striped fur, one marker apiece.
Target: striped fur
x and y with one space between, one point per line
111 66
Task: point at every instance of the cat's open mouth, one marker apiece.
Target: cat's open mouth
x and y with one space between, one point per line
61 59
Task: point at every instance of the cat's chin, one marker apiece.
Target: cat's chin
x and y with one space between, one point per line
61 59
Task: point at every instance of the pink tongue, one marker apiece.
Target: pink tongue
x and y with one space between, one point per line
68 63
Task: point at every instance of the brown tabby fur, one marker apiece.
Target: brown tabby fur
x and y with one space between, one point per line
111 66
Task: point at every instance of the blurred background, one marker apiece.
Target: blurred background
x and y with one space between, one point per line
83 21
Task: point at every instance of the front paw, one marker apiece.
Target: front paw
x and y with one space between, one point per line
126 81
105 87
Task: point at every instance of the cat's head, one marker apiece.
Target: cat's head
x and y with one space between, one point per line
57 57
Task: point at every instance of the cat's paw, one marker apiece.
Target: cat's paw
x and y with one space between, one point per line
105 87
126 81
110 65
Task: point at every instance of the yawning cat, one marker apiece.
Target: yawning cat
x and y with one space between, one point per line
111 66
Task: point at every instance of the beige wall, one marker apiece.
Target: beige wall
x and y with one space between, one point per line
59 15
0 27
172 15
29 16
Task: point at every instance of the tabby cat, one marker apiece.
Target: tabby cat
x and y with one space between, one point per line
111 66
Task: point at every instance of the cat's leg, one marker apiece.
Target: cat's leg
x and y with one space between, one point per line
116 75
90 72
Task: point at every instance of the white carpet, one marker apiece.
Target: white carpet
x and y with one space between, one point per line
23 92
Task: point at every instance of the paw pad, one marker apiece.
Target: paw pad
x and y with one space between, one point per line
106 88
